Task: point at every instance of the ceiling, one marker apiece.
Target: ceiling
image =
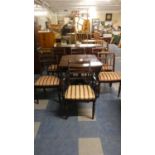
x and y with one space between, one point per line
60 6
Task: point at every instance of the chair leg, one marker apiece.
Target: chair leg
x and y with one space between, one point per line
59 96
35 93
119 90
110 84
44 89
93 111
66 110
99 89
37 101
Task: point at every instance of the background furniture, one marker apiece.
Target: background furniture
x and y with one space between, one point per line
46 39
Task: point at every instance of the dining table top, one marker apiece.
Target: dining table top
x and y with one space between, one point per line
94 62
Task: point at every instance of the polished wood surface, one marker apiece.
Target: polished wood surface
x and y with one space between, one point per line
89 41
46 39
77 45
94 62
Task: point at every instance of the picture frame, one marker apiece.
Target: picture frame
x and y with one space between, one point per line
108 16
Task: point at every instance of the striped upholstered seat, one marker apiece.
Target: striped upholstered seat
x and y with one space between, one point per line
52 68
109 76
79 92
47 80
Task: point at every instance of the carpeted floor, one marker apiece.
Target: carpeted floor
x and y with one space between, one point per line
79 134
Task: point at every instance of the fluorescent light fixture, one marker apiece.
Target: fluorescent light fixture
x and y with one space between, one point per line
40 13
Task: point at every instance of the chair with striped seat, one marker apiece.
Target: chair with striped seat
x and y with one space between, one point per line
52 68
58 52
47 81
45 58
97 50
108 60
108 74
79 86
110 77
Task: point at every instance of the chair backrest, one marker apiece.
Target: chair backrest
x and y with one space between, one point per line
58 53
96 50
45 56
108 60
77 50
79 72
99 41
96 35
82 36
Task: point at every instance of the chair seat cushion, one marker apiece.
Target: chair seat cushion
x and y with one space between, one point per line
109 76
47 80
79 92
52 67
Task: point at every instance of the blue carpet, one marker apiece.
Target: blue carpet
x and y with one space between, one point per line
59 136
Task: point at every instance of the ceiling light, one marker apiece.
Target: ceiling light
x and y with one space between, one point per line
40 13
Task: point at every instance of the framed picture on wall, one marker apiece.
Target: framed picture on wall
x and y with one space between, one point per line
108 17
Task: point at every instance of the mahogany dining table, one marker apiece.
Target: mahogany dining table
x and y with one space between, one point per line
95 64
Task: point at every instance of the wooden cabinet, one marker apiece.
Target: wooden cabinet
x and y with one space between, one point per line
46 39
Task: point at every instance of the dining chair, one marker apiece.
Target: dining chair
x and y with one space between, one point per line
96 50
77 50
44 81
99 41
107 73
108 60
57 52
79 85
45 59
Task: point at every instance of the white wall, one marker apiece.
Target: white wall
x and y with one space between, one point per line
116 17
51 17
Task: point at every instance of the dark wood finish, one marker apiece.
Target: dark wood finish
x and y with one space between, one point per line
94 62
79 75
77 50
37 68
44 87
108 69
58 53
96 50
45 58
67 47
